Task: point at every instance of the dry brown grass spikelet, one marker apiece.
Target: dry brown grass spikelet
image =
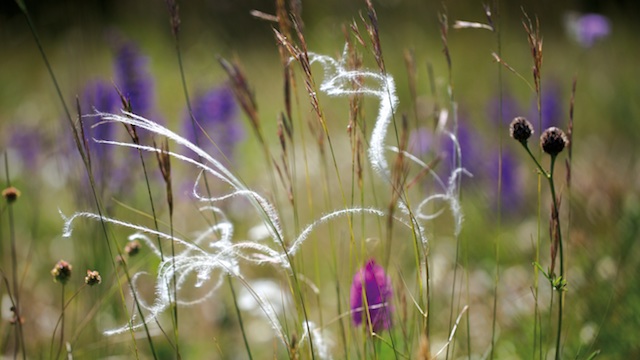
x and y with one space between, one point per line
423 352
535 44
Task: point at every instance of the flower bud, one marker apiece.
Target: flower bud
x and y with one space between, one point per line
92 278
61 272
520 129
553 141
11 194
133 248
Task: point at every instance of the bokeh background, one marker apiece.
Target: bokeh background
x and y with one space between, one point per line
83 40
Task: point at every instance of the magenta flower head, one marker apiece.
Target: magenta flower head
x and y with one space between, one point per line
371 292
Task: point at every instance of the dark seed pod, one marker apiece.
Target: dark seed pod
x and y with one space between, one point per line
553 141
520 129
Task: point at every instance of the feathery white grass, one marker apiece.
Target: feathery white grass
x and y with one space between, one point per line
213 254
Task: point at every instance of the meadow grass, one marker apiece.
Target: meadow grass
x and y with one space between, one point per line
366 215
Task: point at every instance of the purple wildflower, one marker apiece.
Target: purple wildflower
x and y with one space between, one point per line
587 29
551 103
109 171
511 190
371 291
426 145
133 79
216 112
100 96
420 142
470 151
510 109
27 142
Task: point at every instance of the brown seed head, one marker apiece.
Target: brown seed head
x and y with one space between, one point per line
553 141
61 272
119 260
11 194
15 318
92 278
520 129
133 248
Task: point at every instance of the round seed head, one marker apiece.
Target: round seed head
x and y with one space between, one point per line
92 278
133 248
61 272
11 194
520 129
553 141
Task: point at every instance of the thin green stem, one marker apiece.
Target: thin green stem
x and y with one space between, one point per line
175 291
560 286
196 128
561 253
62 303
543 172
14 271
61 318
240 322
153 208
155 221
496 12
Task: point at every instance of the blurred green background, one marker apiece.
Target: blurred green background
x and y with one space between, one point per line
603 261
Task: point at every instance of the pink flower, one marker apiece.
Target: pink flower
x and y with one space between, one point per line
587 29
371 291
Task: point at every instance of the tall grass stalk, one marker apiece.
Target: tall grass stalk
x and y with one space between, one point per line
62 313
60 322
17 309
495 20
457 164
535 44
175 21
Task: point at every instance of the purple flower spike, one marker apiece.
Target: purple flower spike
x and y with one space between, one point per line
216 112
133 78
420 142
552 112
512 195
510 109
587 29
371 283
470 151
27 140
101 96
